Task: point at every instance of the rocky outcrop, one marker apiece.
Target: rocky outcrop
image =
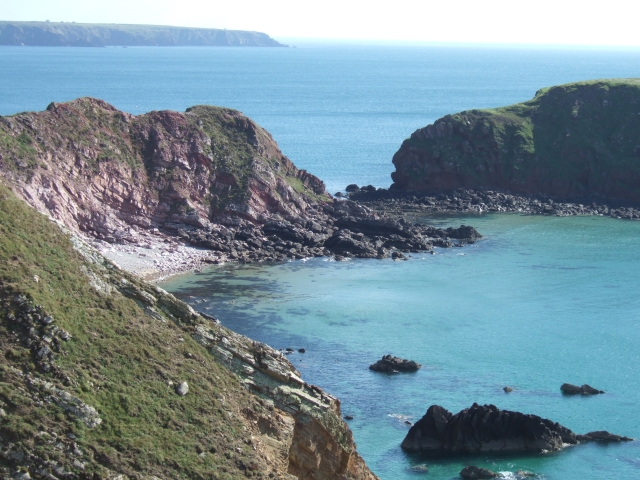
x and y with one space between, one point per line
105 172
485 429
389 364
66 34
585 389
209 177
578 141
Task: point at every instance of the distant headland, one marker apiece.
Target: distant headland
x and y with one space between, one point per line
65 34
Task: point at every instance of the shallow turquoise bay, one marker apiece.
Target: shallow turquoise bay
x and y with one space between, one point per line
538 302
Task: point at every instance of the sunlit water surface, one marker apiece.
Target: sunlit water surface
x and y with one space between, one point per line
538 302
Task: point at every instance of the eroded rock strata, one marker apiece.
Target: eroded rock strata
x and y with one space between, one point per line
209 177
573 141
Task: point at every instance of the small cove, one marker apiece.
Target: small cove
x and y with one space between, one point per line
538 302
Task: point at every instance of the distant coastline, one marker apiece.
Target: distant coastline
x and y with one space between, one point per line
64 34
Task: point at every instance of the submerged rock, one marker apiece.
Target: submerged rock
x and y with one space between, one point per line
391 364
485 429
472 473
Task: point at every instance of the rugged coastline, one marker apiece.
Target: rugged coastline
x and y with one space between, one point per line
578 140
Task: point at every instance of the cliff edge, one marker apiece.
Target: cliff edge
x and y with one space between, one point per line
580 140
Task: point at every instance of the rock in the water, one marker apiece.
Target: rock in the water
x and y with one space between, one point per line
589 390
507 389
472 473
391 364
603 436
301 350
348 417
585 389
352 188
182 389
484 429
419 469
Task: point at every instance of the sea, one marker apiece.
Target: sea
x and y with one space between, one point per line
537 302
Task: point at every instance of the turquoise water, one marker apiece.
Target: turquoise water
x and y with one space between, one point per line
539 302
340 112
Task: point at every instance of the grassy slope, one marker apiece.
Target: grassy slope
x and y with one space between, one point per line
119 361
562 133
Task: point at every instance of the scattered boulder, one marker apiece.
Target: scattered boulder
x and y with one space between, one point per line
182 389
352 188
472 473
485 429
569 389
391 364
301 350
603 436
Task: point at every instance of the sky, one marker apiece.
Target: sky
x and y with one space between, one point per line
555 22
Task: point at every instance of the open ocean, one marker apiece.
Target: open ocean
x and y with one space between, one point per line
540 301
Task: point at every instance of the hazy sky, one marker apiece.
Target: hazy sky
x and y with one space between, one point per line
613 22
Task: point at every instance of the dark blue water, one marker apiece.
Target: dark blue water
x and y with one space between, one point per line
338 111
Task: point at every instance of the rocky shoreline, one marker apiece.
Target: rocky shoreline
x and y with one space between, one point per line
485 201
341 230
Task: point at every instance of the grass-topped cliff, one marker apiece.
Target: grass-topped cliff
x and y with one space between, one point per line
65 34
575 140
91 359
101 170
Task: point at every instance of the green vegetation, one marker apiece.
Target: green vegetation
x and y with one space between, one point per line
569 140
119 360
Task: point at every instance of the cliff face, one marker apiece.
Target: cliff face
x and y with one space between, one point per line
105 376
101 170
575 140
61 34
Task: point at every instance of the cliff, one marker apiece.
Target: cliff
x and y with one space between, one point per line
105 376
580 140
100 170
64 34
210 177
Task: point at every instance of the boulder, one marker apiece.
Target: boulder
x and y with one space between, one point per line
507 389
472 472
485 429
182 389
391 364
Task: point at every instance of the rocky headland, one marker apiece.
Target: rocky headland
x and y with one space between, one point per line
167 186
71 34
106 376
577 143
486 428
